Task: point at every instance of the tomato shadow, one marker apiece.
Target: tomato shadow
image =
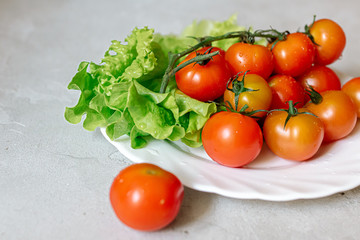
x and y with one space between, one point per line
195 204
332 148
268 160
325 149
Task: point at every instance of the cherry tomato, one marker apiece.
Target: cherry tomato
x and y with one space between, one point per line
285 88
204 82
338 113
352 89
320 78
232 139
299 140
330 39
244 57
255 93
294 55
146 197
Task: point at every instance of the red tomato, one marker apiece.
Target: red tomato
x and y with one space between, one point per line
299 140
352 89
338 113
294 55
285 88
320 78
232 139
244 57
330 39
204 82
146 197
255 93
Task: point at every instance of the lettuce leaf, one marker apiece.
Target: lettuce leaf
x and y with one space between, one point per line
121 93
173 43
214 28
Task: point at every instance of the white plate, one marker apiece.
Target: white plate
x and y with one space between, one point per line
335 168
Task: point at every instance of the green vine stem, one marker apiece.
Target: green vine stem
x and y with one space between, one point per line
243 110
244 36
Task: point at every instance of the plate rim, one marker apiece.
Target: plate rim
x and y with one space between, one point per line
123 146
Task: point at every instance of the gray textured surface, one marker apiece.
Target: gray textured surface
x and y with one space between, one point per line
55 177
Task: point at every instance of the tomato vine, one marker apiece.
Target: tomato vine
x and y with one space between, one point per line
244 36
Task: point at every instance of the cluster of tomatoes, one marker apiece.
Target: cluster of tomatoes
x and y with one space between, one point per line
283 93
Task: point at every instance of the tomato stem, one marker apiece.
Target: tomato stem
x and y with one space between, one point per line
242 111
206 61
315 96
171 69
307 31
238 87
292 112
244 36
197 60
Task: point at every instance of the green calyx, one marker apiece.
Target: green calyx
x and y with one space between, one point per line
238 87
315 96
244 111
292 112
208 57
307 31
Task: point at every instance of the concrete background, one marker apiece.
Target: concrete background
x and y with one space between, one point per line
55 177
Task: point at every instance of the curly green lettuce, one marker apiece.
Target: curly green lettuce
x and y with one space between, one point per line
122 95
118 94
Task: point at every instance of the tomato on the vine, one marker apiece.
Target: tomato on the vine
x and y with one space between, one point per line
254 58
298 139
337 111
320 78
204 81
330 41
252 90
285 88
146 197
232 139
352 89
294 55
